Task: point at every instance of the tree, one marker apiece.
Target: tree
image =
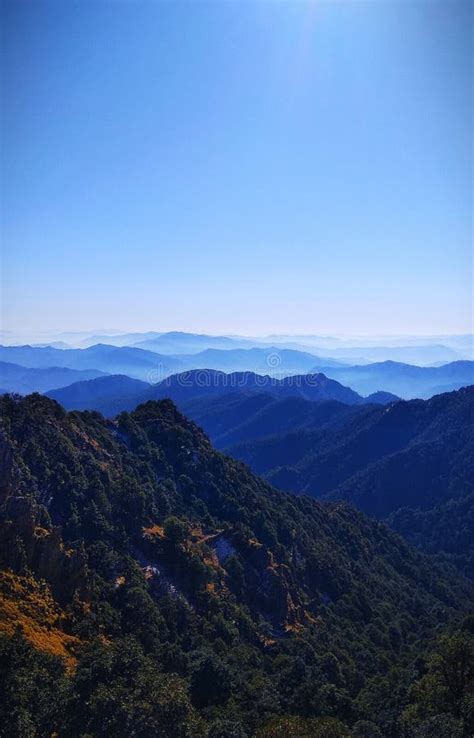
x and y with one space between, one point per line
211 681
175 530
298 727
443 699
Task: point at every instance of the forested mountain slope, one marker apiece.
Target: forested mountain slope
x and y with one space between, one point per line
319 462
411 456
192 598
446 530
239 417
417 455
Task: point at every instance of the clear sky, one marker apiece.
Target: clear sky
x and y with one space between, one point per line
237 166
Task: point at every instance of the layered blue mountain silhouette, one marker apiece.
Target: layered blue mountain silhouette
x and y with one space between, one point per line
404 380
110 397
20 379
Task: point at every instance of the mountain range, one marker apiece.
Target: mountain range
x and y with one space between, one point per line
151 583
134 362
424 354
15 378
149 365
110 396
177 342
396 462
403 380
422 350
272 360
242 417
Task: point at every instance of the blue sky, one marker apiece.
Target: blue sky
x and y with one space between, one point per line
237 166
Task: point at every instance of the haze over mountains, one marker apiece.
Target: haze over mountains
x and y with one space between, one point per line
220 353
135 362
405 380
15 378
420 350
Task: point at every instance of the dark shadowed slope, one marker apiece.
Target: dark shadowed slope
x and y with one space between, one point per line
429 433
103 394
435 465
446 530
417 454
234 418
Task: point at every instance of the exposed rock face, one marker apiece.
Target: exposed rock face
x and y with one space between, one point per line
27 546
279 597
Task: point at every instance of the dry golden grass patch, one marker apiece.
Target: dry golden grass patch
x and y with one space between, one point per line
27 603
154 531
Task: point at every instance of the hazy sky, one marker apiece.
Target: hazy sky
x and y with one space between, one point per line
237 166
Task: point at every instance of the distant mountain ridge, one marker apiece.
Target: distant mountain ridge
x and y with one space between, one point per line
15 378
420 350
402 380
178 342
172 342
100 393
196 383
206 384
151 366
425 354
272 360
405 380
135 362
